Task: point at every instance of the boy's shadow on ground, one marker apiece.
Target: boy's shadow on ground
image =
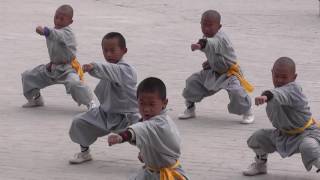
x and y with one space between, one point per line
51 111
218 122
108 168
274 176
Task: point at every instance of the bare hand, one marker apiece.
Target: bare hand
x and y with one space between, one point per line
206 65
48 66
114 139
140 157
87 67
195 47
261 100
40 30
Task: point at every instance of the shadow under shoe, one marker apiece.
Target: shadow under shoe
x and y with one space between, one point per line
188 114
259 167
34 102
81 157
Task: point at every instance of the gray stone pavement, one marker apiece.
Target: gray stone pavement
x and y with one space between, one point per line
34 143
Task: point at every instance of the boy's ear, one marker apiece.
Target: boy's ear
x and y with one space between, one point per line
165 102
71 21
295 76
125 50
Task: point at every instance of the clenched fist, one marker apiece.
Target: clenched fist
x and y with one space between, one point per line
87 67
195 47
114 139
40 30
260 100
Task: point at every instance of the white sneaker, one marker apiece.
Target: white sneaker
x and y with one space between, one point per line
34 103
248 117
256 168
91 105
81 157
188 114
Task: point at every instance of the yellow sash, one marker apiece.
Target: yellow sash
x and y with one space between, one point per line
309 123
169 173
235 70
77 66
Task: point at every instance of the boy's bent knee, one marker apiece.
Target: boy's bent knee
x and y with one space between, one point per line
72 83
26 76
77 122
258 137
239 105
308 145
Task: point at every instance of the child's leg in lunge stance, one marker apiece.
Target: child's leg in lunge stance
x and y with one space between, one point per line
194 92
262 143
32 81
240 101
88 126
310 153
79 91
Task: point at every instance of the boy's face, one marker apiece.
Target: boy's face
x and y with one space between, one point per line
209 26
282 75
62 19
112 51
150 104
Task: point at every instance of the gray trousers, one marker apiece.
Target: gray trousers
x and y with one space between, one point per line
264 141
206 83
87 127
39 78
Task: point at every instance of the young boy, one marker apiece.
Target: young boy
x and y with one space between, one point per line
156 135
220 71
116 93
63 67
295 129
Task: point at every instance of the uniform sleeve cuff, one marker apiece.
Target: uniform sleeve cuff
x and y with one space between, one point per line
46 31
203 43
268 94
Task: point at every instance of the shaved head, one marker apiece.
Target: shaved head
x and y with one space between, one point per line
212 15
63 16
283 71
67 10
285 62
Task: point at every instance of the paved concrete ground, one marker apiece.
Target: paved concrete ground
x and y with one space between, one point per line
34 143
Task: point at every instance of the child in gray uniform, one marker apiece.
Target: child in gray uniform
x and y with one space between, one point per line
295 129
156 135
220 71
63 67
116 93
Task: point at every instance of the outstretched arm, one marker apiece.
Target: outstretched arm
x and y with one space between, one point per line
104 71
265 97
199 45
62 35
87 67
43 31
126 136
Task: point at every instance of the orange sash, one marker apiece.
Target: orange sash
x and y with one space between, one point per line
235 70
300 130
169 173
77 66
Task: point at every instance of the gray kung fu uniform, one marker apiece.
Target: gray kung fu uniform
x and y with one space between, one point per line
287 110
118 108
220 55
158 140
61 45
